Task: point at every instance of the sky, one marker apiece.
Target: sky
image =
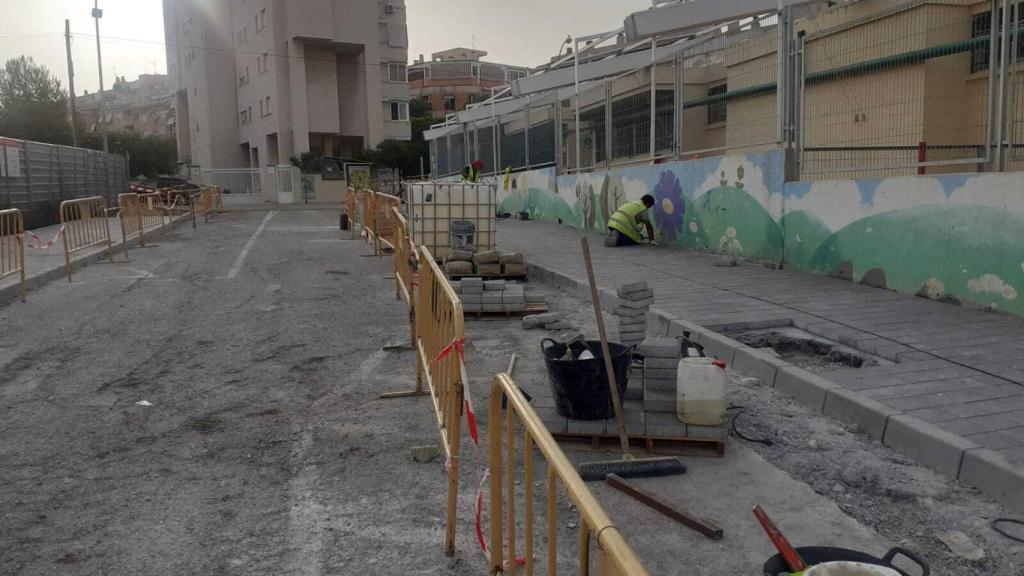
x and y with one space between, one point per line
519 32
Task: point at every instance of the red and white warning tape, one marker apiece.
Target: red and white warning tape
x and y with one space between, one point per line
459 346
38 243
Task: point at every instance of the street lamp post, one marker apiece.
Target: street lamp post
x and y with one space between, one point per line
97 14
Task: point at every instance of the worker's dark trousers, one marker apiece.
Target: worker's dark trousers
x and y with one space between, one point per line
616 238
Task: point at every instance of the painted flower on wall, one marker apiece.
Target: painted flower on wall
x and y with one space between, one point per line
669 206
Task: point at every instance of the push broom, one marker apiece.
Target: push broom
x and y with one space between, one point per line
629 466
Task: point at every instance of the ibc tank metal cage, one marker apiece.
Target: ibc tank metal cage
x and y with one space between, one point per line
433 206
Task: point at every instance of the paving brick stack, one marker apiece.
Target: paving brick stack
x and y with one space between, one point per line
631 312
479 295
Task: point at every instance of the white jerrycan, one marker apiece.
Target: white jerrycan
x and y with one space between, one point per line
700 391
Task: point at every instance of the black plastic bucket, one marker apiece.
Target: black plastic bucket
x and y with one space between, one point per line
814 555
580 387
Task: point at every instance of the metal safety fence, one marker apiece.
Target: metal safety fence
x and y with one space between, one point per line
852 89
352 208
440 340
129 215
509 414
12 247
381 222
83 224
405 261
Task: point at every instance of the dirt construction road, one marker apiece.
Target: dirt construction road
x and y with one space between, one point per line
264 450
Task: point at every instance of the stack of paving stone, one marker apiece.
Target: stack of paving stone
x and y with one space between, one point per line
631 312
661 362
486 263
479 295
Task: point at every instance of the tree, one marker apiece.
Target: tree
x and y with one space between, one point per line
33 104
401 154
150 156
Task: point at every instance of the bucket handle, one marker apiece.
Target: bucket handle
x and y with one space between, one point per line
898 550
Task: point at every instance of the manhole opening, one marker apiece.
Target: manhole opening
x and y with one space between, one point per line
810 352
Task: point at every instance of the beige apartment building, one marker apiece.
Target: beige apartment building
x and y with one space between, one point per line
260 81
144 105
456 78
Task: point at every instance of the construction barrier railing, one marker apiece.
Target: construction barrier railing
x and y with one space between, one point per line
130 216
84 224
12 246
151 210
383 221
440 339
352 209
405 281
613 554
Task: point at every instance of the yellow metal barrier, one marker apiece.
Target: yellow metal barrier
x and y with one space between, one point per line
84 224
404 279
439 342
151 208
369 212
614 556
130 216
178 206
352 209
384 226
12 246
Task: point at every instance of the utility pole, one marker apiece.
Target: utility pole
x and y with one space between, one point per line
71 81
97 14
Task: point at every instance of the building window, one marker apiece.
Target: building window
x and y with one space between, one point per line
397 110
186 25
397 72
511 75
242 36
263 62
261 19
981 26
449 102
243 79
717 110
265 106
243 117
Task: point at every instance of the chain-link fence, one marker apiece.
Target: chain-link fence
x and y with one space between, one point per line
37 177
853 89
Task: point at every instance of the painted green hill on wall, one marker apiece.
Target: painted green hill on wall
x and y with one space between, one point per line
804 233
732 221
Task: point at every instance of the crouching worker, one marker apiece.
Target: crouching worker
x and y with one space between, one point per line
627 225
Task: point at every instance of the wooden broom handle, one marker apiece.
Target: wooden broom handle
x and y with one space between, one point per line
613 387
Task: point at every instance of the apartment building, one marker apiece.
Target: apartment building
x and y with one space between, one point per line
144 105
260 81
457 77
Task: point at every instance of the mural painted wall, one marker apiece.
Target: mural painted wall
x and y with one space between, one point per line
959 235
729 204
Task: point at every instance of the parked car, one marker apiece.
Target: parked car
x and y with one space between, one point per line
172 186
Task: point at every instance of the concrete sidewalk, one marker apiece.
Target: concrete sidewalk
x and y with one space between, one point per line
953 398
44 265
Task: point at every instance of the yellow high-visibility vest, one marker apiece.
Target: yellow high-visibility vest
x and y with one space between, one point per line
625 220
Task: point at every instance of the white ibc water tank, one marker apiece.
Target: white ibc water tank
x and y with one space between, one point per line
700 391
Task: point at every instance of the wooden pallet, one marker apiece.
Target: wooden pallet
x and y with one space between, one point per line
649 444
506 314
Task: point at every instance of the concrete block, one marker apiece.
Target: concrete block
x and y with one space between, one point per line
486 257
625 289
536 298
629 312
518 301
642 304
489 269
472 288
640 328
472 281
456 285
493 307
757 362
606 298
458 267
711 432
587 426
719 346
660 385
928 444
514 269
660 347
514 290
494 284
661 363
660 373
631 320
537 320
806 388
854 408
995 476
471 298
633 414
472 307
637 296
424 454
559 325
665 425
511 258
460 256
491 297
655 401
